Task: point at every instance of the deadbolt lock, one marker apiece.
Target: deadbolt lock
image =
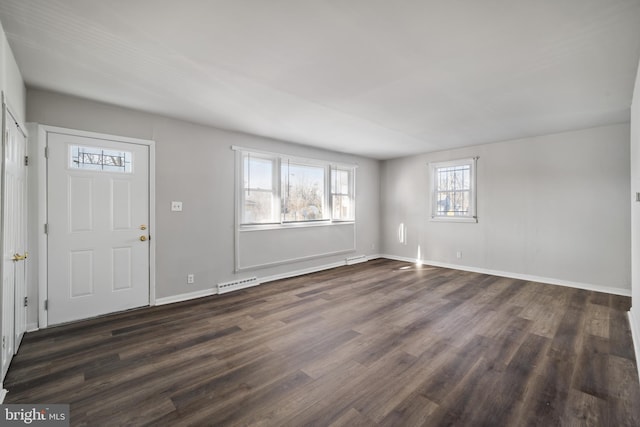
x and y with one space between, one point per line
143 227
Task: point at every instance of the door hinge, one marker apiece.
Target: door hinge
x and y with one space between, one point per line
46 152
4 342
46 229
46 304
26 160
26 301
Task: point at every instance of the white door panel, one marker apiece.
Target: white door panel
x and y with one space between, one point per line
14 238
98 211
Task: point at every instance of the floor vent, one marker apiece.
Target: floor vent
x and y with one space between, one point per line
237 284
356 259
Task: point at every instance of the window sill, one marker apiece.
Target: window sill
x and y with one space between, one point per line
454 219
261 227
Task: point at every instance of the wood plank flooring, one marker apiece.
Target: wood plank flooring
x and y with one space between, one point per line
375 344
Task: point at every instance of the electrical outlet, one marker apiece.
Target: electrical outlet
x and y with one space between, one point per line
190 279
176 206
459 254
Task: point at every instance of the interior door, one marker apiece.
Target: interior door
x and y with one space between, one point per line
14 238
19 163
98 220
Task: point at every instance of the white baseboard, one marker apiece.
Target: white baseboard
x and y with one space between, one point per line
187 296
3 394
262 280
635 334
301 272
356 259
32 327
294 273
527 277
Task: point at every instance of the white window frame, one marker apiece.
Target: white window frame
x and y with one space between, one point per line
433 169
326 203
350 192
278 161
275 187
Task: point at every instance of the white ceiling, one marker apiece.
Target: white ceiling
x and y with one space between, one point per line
378 78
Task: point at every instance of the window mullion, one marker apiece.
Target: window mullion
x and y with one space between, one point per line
277 185
328 195
240 201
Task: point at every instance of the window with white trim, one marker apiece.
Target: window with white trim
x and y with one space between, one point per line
453 190
259 191
303 192
281 190
342 200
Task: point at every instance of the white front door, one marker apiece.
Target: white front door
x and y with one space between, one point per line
98 226
14 238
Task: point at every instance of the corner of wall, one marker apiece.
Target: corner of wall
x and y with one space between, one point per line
11 82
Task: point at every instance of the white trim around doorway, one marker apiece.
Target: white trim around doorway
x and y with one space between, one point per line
40 165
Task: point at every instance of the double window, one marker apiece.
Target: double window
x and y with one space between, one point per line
278 189
453 196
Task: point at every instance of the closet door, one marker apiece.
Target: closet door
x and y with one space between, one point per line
14 237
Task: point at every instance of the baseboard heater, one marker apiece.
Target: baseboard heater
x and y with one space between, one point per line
235 285
356 259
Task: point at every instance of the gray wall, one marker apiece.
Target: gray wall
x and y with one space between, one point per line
195 165
553 208
11 82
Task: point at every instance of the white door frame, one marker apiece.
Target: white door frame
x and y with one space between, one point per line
41 167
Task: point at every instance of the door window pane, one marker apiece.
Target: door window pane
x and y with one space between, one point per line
100 159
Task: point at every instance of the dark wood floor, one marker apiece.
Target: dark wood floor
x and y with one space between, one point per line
379 343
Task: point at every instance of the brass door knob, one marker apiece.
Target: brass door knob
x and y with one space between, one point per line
143 238
18 257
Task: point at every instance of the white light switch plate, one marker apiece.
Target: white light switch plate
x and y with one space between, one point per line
176 206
